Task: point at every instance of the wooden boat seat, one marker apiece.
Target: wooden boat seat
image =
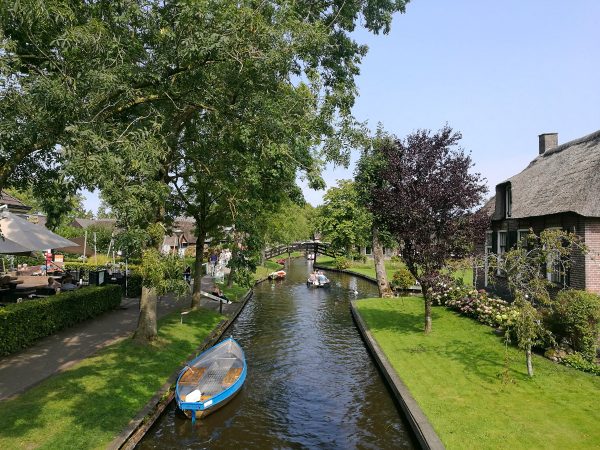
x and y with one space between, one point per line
192 375
232 375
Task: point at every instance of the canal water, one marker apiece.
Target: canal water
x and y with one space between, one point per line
311 382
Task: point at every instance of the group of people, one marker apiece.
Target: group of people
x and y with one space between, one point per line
317 277
66 285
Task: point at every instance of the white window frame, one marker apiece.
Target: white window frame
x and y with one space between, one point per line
488 249
499 250
550 273
521 233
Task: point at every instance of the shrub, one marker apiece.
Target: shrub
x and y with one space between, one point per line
342 263
21 324
473 303
402 279
575 319
577 361
134 285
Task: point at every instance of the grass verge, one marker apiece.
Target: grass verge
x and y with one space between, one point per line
368 268
476 394
88 405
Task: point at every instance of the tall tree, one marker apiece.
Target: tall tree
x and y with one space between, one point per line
86 82
426 201
344 221
367 178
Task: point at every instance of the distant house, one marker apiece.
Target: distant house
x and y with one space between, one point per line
560 189
14 204
182 237
85 223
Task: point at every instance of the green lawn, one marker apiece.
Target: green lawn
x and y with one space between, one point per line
368 268
90 404
457 375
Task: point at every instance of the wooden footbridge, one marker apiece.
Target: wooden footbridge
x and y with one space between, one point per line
316 248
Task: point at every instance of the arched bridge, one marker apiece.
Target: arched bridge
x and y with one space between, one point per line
318 248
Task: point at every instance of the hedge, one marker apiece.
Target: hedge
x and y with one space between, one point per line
21 324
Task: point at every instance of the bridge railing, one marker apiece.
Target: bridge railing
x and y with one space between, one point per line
317 248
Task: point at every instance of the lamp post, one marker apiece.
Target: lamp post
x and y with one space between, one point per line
178 234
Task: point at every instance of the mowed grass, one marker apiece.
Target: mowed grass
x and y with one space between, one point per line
457 375
368 268
90 404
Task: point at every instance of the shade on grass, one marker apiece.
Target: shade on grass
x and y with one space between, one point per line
457 375
90 404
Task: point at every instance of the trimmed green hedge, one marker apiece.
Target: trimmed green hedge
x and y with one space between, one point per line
23 323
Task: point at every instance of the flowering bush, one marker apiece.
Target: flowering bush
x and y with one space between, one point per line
473 303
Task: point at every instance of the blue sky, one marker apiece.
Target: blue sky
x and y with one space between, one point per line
500 72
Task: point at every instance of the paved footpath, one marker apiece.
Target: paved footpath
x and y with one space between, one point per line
22 370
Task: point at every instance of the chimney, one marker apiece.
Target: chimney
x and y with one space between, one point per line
548 141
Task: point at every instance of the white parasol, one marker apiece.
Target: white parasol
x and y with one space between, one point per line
20 236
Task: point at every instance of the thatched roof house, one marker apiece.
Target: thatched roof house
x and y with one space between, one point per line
560 188
14 204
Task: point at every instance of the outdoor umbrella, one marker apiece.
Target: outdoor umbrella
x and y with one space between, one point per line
20 236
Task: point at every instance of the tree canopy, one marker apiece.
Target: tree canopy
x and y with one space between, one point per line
427 201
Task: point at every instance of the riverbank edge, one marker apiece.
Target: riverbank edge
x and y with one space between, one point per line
360 275
141 423
422 428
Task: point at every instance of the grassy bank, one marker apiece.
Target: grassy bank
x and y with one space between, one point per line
476 396
368 268
90 404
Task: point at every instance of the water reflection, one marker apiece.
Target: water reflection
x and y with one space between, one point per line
311 382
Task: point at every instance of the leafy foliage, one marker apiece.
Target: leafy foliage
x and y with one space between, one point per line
575 318
344 222
21 324
163 272
402 279
426 200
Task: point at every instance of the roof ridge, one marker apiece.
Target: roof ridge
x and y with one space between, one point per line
561 147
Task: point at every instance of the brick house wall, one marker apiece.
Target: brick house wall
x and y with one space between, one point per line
592 259
585 271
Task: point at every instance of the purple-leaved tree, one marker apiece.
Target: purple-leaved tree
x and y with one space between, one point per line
427 200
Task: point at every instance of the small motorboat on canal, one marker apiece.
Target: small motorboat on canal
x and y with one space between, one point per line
278 275
318 280
209 381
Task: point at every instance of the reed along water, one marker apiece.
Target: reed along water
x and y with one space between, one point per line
311 382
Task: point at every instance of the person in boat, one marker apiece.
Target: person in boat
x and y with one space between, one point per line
321 278
312 277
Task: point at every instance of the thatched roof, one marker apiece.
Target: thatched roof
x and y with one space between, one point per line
562 179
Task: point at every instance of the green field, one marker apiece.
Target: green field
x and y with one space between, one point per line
368 268
91 403
474 394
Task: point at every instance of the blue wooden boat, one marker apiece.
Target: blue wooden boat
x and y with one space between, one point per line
209 381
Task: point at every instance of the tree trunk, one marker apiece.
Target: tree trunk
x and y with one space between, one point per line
147 328
380 273
529 362
427 315
198 263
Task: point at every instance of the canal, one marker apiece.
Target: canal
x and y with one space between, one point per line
311 382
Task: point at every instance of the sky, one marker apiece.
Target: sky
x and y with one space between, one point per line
500 72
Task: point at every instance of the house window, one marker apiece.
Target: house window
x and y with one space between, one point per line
501 242
368 251
554 270
488 249
522 236
508 198
501 247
